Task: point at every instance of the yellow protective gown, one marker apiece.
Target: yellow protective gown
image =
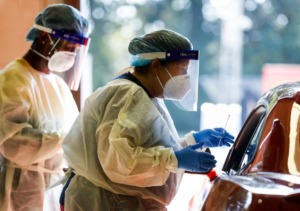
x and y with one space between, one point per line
121 150
36 111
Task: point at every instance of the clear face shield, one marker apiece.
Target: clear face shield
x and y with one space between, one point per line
189 100
68 57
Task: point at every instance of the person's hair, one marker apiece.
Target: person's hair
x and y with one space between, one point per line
144 70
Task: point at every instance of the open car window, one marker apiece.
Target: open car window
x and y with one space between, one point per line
246 142
252 146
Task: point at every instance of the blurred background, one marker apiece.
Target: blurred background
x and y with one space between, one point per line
246 48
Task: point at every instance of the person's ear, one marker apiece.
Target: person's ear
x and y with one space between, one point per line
41 41
43 37
155 66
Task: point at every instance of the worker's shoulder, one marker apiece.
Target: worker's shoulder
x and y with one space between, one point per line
123 86
120 89
14 71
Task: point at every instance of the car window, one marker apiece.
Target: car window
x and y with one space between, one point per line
249 133
252 146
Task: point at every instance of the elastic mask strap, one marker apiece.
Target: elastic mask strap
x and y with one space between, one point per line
53 45
38 53
168 72
160 83
51 41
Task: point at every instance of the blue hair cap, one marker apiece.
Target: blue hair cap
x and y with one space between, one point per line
158 41
60 17
137 61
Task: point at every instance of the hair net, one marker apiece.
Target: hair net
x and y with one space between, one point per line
158 41
60 17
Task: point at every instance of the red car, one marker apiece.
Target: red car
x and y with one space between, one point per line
262 169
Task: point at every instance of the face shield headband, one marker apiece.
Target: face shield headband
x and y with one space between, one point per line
73 75
64 35
190 100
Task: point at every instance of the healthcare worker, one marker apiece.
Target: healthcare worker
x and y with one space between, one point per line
123 148
37 107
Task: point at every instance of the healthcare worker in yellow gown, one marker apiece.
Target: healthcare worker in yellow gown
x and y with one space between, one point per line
123 148
37 107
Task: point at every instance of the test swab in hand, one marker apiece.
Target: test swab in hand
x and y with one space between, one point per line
224 129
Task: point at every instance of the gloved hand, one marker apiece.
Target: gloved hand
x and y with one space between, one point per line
214 137
194 161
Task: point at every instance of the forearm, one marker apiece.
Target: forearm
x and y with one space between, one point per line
30 146
139 166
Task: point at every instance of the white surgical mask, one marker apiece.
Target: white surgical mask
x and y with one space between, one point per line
61 61
176 87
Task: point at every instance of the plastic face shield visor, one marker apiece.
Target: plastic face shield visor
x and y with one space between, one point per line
73 43
190 101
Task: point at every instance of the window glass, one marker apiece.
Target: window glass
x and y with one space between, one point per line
247 140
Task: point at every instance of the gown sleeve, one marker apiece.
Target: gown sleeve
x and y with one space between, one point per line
130 148
23 119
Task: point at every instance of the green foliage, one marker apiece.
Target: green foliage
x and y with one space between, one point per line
112 34
110 53
274 37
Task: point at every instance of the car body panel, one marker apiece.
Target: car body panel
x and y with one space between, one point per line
262 169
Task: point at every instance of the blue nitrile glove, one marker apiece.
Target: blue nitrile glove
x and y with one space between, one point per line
214 137
194 161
